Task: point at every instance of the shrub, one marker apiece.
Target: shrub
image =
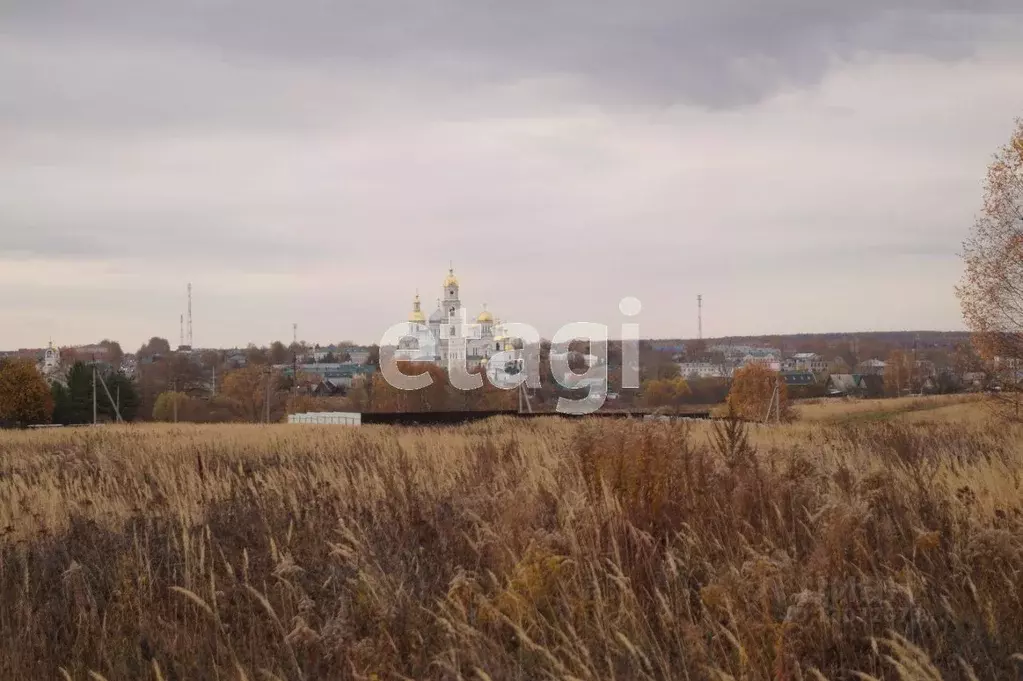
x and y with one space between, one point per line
757 392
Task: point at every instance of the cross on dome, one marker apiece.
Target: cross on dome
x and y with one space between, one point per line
451 279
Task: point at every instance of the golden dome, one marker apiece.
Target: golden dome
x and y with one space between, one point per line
485 316
509 347
451 279
417 313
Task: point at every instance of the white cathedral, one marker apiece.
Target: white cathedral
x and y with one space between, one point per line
449 336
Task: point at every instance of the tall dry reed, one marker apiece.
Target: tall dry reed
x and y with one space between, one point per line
512 550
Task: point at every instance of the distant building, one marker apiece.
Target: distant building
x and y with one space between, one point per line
319 353
89 352
872 385
855 385
357 354
767 360
738 352
798 378
419 344
337 374
806 361
668 346
873 367
925 368
236 360
34 354
839 366
51 365
444 339
702 370
1001 363
336 353
842 385
567 357
736 356
974 380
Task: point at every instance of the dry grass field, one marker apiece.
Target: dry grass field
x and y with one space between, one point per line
847 410
846 545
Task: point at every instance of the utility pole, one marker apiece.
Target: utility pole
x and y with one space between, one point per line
268 373
523 397
174 392
116 405
775 403
1016 390
94 420
777 400
213 392
294 357
914 370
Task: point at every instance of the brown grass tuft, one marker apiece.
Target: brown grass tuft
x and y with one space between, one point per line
828 549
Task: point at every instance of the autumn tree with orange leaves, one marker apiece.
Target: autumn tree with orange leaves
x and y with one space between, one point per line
440 395
991 291
752 393
25 398
248 390
384 397
665 392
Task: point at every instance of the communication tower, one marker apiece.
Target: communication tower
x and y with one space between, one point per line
699 317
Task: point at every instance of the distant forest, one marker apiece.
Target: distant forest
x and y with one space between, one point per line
864 344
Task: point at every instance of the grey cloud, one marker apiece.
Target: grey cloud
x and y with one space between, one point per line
326 158
666 51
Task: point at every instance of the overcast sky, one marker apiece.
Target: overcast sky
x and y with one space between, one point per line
805 165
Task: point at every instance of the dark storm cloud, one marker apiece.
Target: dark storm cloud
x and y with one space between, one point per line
667 51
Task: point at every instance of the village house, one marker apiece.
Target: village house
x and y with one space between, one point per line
702 370
806 361
855 385
874 367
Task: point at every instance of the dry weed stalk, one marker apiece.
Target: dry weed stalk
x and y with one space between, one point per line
510 550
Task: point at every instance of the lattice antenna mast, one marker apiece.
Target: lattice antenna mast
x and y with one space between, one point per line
190 341
699 317
181 331
294 353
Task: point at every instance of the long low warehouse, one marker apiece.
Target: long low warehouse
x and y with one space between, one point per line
456 417
338 418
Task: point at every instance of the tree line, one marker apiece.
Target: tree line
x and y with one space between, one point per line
26 399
